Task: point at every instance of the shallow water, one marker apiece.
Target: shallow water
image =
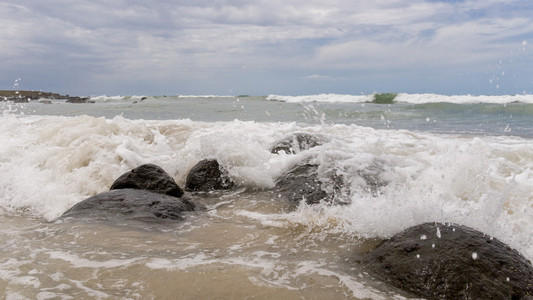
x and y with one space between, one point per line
435 162
221 254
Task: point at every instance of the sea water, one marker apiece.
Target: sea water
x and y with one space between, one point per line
462 159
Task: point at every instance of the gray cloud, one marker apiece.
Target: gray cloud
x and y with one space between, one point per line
257 47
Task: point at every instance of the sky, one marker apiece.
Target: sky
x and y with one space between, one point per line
262 47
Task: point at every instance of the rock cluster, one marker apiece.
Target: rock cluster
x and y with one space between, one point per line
432 260
148 192
144 193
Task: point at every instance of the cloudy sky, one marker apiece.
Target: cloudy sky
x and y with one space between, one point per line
261 47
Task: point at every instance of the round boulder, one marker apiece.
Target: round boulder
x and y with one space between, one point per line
130 204
207 175
446 261
301 182
148 177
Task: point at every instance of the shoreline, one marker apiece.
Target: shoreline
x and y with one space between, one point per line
27 96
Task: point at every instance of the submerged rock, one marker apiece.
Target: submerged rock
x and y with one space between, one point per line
208 175
298 142
148 177
303 182
130 204
372 177
444 261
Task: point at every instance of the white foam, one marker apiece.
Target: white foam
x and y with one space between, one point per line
462 99
77 262
205 96
484 183
271 273
358 289
186 262
26 280
47 164
406 98
331 98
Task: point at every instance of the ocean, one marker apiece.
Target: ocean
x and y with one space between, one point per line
463 159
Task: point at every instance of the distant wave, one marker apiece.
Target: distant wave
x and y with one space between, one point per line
105 98
462 99
403 98
205 96
381 98
331 98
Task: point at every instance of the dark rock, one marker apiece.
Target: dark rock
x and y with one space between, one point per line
444 261
301 182
130 204
208 175
148 177
26 96
298 142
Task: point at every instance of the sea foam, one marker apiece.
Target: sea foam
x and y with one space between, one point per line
406 98
49 163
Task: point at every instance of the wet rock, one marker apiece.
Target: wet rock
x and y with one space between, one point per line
372 177
208 175
301 182
298 142
444 261
144 193
132 204
148 177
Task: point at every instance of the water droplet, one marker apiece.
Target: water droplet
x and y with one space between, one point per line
474 255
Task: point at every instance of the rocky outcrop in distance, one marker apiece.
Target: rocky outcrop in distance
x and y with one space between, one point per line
27 96
447 261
